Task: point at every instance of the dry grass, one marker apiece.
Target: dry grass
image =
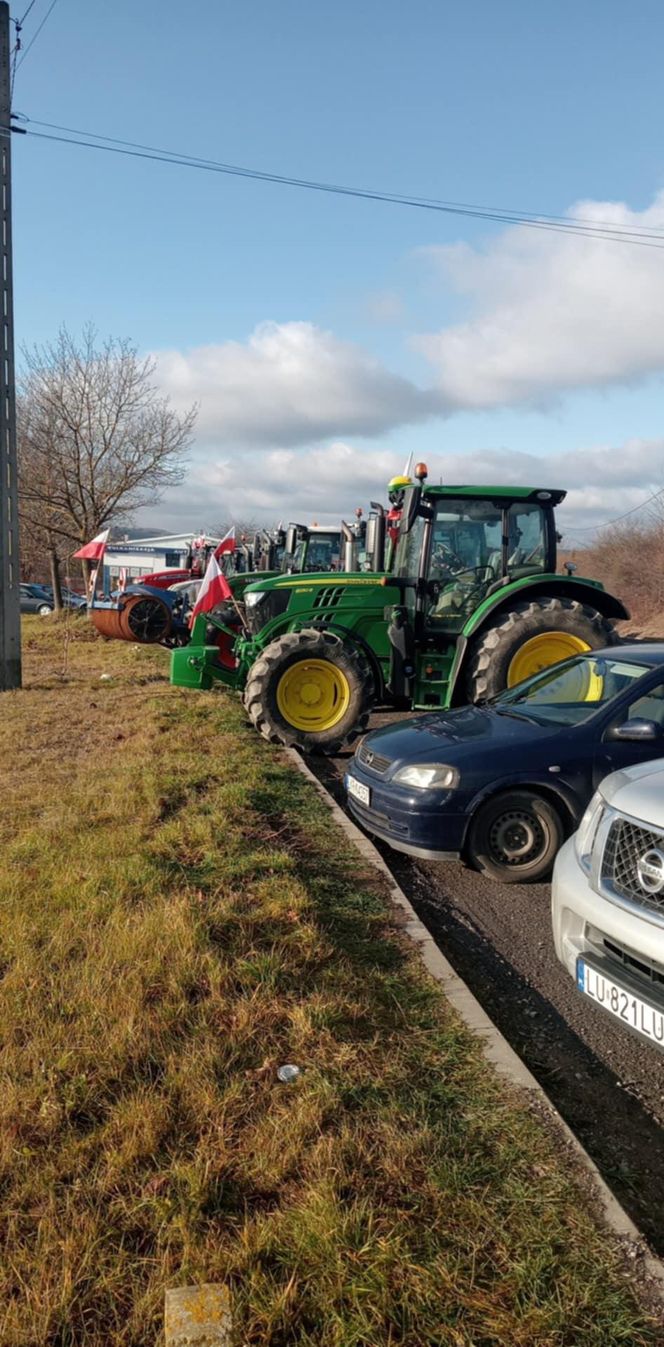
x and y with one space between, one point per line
629 559
179 917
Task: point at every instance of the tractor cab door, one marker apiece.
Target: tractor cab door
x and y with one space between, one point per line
465 558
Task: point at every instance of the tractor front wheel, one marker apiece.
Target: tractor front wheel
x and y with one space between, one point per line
311 690
531 637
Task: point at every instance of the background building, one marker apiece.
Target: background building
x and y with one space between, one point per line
168 551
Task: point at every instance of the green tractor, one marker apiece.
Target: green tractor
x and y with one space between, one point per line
472 604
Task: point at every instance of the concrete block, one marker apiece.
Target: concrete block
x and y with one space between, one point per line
197 1316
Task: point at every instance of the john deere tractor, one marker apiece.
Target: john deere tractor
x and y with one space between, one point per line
472 604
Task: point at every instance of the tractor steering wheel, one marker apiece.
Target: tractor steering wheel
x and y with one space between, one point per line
443 555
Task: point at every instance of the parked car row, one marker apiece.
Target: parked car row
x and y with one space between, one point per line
560 769
39 599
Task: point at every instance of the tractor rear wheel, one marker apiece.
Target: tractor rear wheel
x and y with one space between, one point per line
531 637
311 690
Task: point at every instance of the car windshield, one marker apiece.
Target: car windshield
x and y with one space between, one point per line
569 693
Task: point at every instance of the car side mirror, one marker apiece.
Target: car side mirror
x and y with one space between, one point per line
636 731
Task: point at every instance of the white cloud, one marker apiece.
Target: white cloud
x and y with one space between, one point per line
551 312
326 484
290 384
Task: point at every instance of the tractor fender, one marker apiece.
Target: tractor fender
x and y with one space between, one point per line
553 586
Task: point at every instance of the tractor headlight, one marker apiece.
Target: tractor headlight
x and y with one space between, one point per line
433 776
587 831
262 605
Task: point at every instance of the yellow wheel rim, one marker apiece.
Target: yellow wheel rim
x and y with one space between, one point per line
313 695
550 647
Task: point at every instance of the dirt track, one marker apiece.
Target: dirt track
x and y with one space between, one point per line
607 1085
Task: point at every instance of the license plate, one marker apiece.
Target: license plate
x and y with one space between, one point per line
644 1018
358 790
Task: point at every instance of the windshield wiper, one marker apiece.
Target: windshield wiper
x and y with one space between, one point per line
517 715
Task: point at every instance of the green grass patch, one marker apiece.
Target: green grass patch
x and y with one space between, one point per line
178 917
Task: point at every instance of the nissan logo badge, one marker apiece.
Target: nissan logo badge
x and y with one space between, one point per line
650 870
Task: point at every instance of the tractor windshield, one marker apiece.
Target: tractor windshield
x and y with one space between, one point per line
318 552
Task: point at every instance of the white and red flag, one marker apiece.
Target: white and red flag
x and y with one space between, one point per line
227 543
94 551
214 589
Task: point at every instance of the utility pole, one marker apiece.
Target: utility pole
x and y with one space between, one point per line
10 613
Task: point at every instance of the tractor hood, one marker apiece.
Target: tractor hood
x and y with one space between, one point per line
315 580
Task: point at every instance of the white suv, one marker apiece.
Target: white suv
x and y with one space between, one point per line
608 900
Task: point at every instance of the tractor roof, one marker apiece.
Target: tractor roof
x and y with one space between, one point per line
543 494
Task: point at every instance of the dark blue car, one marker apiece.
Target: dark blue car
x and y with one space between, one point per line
503 784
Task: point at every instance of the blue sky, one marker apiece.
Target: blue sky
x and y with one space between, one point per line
549 347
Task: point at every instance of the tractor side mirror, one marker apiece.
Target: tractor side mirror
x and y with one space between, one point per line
291 538
411 507
636 731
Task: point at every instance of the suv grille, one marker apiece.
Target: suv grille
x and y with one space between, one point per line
626 846
372 760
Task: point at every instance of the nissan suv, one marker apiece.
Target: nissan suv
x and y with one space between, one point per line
608 900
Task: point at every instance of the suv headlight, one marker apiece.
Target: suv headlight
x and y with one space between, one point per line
433 776
587 831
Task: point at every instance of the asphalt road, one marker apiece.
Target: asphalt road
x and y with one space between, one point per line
607 1085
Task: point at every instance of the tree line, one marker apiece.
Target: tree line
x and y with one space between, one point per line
96 441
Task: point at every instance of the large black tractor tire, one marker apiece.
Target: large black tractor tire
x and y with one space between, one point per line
502 655
311 690
515 837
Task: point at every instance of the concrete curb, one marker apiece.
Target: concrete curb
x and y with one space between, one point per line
495 1048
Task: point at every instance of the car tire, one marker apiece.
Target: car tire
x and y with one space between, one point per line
515 836
44 610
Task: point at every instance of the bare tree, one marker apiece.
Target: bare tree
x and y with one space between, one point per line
96 439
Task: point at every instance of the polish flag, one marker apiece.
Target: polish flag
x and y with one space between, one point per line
214 589
122 583
227 543
94 551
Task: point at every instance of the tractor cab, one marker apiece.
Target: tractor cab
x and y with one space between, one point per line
269 549
460 545
311 549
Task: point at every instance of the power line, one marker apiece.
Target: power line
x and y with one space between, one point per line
592 528
22 21
33 39
135 150
538 216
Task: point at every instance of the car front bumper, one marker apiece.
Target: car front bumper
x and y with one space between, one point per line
621 944
419 823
